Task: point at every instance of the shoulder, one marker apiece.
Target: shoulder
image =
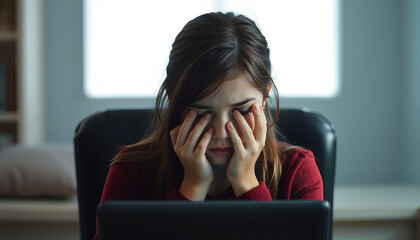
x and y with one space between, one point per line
296 160
300 175
132 163
136 170
129 180
131 168
125 174
121 182
295 156
299 163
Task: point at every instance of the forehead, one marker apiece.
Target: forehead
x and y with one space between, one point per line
232 91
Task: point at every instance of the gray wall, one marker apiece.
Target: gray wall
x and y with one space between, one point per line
375 114
411 96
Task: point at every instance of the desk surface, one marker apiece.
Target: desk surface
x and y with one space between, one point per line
377 202
351 203
45 210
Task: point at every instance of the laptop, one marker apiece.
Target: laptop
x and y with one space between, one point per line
296 219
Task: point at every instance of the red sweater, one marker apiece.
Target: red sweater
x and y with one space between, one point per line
300 179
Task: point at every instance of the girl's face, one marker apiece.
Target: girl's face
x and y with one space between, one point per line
238 94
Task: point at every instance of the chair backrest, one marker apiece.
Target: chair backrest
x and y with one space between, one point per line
100 136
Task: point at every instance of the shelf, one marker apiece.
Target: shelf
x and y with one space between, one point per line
8 36
8 117
376 203
21 42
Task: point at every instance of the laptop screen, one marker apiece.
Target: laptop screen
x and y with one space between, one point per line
279 219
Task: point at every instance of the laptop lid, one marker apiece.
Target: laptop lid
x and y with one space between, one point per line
213 220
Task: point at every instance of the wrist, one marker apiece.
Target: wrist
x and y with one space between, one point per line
241 186
194 191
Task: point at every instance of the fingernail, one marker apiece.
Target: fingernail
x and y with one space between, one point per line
207 116
192 113
211 130
230 124
256 108
236 112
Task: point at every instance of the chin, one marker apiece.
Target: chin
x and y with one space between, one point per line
219 160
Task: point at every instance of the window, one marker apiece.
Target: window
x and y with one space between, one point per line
127 43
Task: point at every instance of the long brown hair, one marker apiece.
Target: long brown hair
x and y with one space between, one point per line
209 49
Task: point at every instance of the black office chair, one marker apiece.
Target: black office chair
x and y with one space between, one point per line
100 136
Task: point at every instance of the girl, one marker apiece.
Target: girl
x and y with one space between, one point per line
214 136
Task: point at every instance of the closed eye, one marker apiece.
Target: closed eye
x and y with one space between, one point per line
200 111
244 111
201 114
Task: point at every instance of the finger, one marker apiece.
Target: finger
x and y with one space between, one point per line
260 130
197 131
234 136
174 134
186 127
204 142
248 135
250 119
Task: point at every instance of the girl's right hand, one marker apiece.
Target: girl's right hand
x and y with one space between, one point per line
190 149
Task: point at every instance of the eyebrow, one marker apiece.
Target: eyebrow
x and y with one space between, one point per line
198 106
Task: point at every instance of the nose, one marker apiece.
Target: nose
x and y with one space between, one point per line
219 125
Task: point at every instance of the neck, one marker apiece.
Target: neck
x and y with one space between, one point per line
220 181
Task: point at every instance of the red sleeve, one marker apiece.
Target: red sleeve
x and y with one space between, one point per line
307 182
119 184
259 193
300 178
174 194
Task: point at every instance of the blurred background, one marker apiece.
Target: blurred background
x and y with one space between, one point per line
375 108
376 113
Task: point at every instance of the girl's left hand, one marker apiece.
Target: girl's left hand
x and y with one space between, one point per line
241 169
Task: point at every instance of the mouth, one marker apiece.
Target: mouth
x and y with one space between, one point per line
221 151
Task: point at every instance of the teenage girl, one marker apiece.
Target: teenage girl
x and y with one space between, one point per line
215 137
